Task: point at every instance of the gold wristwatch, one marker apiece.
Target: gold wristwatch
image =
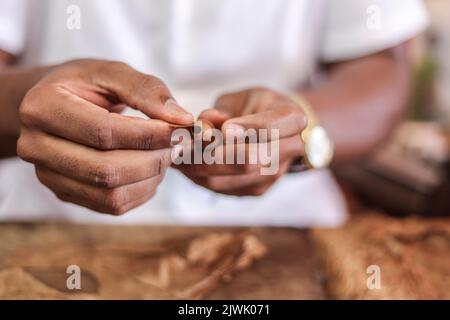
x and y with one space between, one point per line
318 147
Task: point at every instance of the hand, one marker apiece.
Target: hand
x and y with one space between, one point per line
250 109
89 155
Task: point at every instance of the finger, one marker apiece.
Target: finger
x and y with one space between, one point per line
223 184
252 184
140 91
105 168
286 120
73 118
241 159
230 159
108 210
215 117
136 203
256 189
201 126
113 201
232 104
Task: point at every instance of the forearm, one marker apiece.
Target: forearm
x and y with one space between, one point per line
15 84
361 101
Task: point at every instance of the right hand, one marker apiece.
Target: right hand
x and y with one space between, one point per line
85 152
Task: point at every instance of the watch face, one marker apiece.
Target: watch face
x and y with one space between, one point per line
319 148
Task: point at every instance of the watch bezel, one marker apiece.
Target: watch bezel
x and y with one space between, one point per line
327 150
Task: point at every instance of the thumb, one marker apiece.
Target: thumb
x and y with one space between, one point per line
140 91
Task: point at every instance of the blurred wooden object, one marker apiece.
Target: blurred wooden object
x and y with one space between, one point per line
413 256
408 175
122 262
119 262
439 48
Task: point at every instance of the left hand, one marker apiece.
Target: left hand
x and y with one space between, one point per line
257 108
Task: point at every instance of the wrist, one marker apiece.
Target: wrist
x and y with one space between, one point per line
17 82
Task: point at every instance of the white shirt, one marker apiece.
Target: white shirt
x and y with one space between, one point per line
201 49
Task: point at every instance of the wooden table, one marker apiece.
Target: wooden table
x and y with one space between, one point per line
115 261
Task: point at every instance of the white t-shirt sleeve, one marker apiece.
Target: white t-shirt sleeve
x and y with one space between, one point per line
12 25
354 28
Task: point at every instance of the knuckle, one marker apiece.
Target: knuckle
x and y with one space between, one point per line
104 135
29 108
152 86
149 81
109 67
21 148
114 201
105 174
147 141
142 144
24 149
155 85
120 211
115 65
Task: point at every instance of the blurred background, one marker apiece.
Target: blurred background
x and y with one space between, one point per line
410 173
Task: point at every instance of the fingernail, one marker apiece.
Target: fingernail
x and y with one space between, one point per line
233 130
174 109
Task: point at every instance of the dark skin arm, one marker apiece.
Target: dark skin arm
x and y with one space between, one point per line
15 84
359 104
362 100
